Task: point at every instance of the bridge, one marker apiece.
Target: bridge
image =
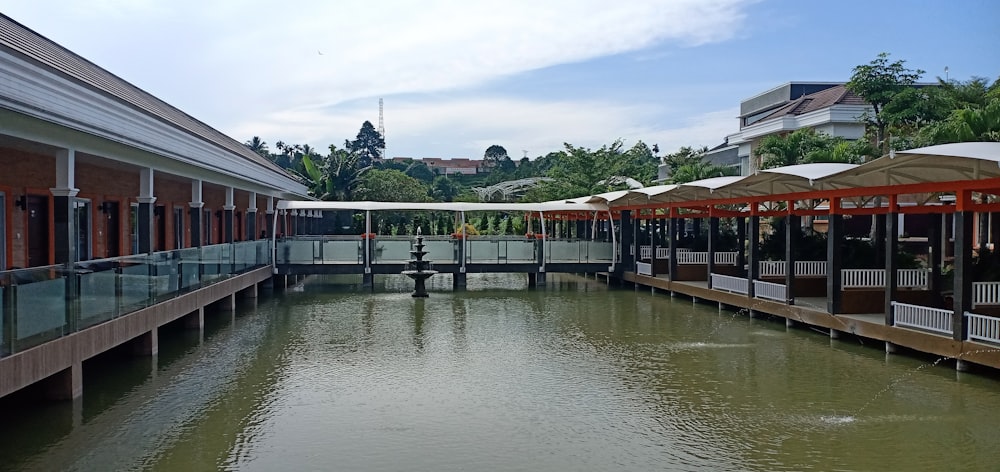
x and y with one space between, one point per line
578 244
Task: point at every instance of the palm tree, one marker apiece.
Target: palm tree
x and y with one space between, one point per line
259 146
698 170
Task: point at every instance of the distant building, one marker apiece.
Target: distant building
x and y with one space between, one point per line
827 107
461 165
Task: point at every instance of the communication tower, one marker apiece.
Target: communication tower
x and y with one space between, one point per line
381 127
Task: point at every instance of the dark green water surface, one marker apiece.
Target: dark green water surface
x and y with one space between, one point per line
573 376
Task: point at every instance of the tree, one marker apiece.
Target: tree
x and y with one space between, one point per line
684 156
494 155
805 146
699 170
259 146
368 144
344 170
418 170
390 186
444 189
879 83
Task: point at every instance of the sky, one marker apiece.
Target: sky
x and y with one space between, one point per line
457 76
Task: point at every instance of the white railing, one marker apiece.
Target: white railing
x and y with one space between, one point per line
867 278
725 258
804 268
728 283
985 293
771 268
702 257
770 291
922 317
983 328
692 258
663 253
643 268
645 252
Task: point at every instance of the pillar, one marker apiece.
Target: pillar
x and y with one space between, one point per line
753 266
66 384
792 231
963 270
195 206
227 217
879 235
672 243
934 253
628 240
741 241
64 197
891 247
834 233
147 344
713 242
144 219
195 319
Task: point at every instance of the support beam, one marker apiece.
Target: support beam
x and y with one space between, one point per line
834 260
753 266
628 240
793 229
891 266
713 242
963 273
741 241
934 253
672 230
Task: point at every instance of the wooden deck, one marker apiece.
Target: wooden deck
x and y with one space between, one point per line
812 312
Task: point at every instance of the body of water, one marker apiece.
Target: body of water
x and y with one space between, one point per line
572 376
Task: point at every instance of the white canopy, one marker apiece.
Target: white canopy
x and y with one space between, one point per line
782 180
454 206
940 163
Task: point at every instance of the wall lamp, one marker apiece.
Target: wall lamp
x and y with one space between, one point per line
21 202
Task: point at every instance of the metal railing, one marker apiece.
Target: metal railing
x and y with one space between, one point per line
701 257
922 317
40 304
728 283
770 291
983 328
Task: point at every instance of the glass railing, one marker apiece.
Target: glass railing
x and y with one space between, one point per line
320 250
43 303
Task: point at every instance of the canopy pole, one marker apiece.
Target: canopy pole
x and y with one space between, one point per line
274 243
462 241
368 230
541 219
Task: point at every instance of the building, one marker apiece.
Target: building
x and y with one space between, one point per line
459 165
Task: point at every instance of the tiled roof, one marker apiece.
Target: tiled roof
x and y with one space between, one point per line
837 95
32 46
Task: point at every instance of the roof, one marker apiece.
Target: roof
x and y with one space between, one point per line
836 95
555 206
32 46
940 163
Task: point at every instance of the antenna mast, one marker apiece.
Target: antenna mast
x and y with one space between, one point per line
381 126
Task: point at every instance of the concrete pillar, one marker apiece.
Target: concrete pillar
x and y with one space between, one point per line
890 348
789 323
249 293
195 319
227 303
962 366
144 215
66 384
195 206
834 334
458 281
147 344
891 247
532 279
64 198
227 218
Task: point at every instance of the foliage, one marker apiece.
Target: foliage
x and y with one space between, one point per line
418 170
880 83
343 168
808 146
368 145
577 171
390 186
259 146
443 189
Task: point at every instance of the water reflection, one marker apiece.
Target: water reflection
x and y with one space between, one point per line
572 376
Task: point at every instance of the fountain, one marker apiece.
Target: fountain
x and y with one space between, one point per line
418 269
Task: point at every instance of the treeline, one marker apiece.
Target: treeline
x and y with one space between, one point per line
904 114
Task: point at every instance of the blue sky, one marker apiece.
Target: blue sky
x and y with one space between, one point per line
458 76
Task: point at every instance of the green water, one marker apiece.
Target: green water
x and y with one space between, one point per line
572 376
